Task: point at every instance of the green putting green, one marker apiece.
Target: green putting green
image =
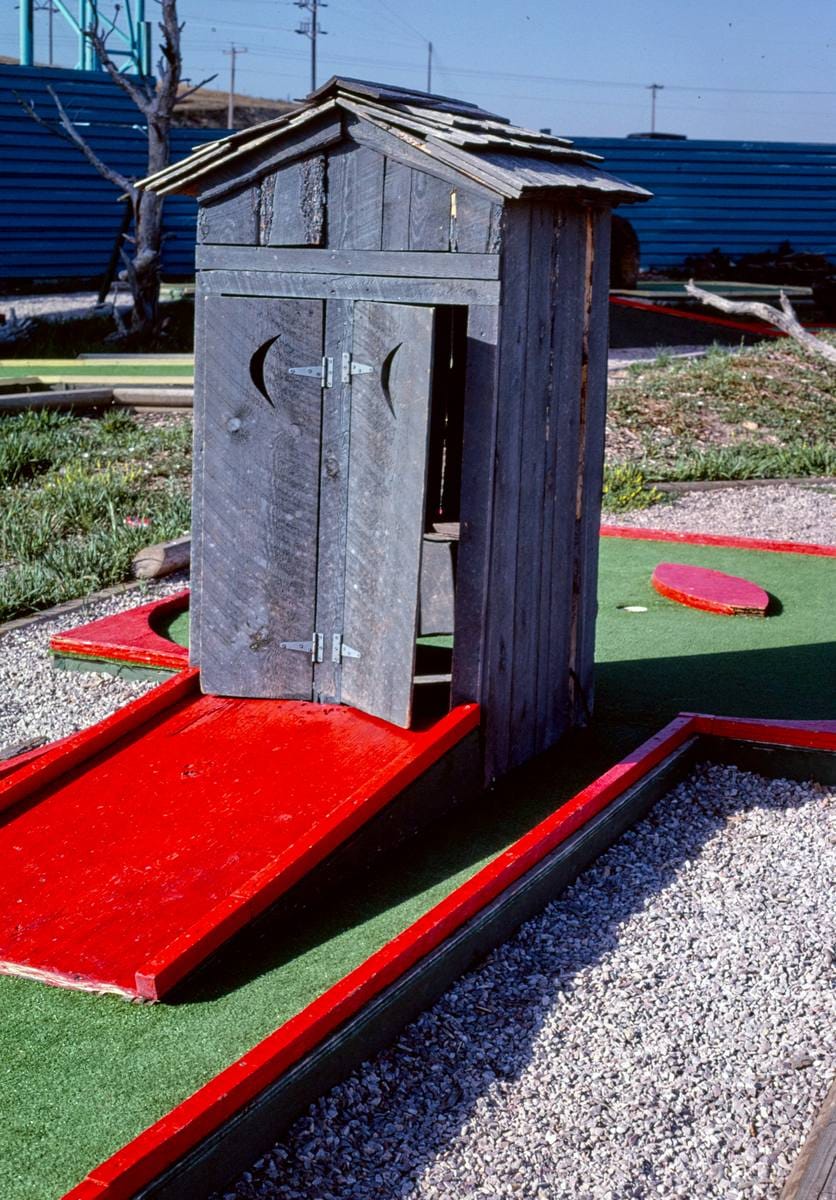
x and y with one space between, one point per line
83 1074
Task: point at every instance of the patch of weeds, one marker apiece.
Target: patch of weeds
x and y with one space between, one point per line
80 496
753 461
625 487
773 395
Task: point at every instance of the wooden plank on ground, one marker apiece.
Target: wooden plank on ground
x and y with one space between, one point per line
260 485
813 1176
390 410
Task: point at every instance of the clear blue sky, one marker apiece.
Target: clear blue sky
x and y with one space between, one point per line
730 68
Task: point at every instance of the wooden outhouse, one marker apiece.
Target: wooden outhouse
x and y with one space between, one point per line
400 378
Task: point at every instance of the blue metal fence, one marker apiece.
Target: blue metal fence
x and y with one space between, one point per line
59 218
739 197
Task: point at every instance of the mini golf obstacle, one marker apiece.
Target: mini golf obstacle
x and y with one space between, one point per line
193 1124
432 282
396 333
709 590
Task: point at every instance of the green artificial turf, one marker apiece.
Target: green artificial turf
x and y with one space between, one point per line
80 1075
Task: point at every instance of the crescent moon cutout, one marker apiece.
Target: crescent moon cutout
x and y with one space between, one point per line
257 367
385 372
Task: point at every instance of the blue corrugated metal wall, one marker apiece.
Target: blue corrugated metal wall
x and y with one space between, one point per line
737 196
58 217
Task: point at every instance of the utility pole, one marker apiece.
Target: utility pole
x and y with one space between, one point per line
233 53
653 88
429 66
310 29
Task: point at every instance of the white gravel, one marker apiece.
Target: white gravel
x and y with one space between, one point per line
785 512
36 701
667 1028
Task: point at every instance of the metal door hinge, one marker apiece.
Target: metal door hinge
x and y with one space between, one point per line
324 372
315 647
349 368
339 650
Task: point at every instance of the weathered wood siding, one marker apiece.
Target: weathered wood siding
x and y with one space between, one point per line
525 606
351 197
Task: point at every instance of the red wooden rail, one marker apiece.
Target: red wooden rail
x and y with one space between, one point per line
163 1143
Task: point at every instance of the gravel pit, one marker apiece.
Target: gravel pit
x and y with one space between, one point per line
36 701
666 1028
781 512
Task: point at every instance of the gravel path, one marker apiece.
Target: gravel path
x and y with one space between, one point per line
37 701
791 512
667 1028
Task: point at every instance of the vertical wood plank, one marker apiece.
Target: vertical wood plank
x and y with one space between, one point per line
390 411
472 224
298 205
260 484
355 198
591 466
508 453
561 479
429 213
198 427
477 497
232 221
397 183
533 411
333 499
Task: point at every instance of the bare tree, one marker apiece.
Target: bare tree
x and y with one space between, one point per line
156 100
783 318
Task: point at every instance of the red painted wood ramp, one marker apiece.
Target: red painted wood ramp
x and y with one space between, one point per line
133 850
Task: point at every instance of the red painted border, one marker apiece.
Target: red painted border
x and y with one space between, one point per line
155 1149
28 772
128 637
661 309
712 539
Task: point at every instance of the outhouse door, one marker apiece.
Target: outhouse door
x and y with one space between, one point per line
310 490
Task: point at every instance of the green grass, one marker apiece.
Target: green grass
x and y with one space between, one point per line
71 489
80 1075
768 411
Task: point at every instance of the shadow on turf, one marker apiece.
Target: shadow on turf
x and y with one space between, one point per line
634 699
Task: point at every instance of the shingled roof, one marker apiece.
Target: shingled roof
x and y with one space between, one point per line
505 158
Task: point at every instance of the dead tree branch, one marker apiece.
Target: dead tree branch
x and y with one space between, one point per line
67 132
783 318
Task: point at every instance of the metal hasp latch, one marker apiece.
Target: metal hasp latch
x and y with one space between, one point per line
324 372
350 368
339 650
315 647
